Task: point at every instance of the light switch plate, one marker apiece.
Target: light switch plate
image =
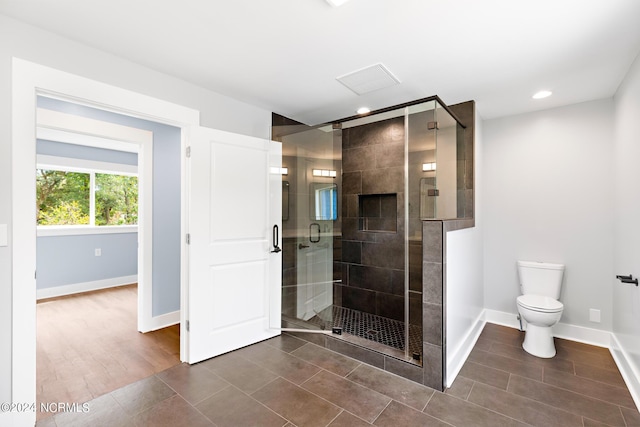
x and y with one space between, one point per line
4 237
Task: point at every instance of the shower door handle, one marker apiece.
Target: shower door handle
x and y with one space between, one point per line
311 228
276 238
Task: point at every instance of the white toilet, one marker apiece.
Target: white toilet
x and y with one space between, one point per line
539 306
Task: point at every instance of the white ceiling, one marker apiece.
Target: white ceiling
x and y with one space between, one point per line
285 55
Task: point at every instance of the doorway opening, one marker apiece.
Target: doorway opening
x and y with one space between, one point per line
94 257
29 81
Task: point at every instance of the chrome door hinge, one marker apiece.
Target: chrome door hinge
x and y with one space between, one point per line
189 151
188 326
188 239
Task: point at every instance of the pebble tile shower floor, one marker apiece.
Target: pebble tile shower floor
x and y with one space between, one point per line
380 329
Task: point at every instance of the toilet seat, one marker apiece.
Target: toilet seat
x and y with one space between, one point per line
540 303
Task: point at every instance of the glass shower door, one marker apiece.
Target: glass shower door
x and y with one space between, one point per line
309 231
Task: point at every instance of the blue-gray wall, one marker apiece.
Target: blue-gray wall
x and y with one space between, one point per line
53 148
67 260
166 199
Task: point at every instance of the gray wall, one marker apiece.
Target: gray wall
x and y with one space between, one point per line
68 260
548 195
626 298
166 199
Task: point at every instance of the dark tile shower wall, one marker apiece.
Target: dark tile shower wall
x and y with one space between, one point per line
373 184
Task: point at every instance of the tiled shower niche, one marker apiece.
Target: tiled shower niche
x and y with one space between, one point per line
378 212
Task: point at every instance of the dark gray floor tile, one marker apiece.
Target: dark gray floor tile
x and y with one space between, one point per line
460 388
296 404
608 393
361 401
356 352
285 365
518 353
245 375
286 343
461 413
346 419
174 411
485 374
231 407
586 348
522 409
193 383
586 422
398 388
104 411
483 344
326 359
46 422
567 400
608 376
502 334
397 415
142 394
631 416
600 359
506 364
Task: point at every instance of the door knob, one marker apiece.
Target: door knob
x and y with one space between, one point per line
301 246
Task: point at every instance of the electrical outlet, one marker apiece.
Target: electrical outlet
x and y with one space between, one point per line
98 252
594 315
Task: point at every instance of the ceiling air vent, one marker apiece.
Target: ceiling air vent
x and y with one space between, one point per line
368 79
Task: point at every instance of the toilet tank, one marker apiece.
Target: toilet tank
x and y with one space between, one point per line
540 278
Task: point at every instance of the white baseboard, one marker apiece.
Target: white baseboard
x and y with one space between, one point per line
630 372
164 320
461 353
502 318
567 331
76 288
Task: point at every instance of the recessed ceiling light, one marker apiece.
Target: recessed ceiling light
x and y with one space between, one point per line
363 110
336 3
542 94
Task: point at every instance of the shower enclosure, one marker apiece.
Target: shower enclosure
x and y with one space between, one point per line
355 195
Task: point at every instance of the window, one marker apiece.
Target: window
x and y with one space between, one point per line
66 197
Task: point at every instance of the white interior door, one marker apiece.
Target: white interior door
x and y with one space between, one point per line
234 288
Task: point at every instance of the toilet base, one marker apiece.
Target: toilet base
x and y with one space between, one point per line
538 341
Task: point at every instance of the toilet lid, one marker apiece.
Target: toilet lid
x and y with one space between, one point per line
540 303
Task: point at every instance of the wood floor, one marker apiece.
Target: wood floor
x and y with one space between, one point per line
88 346
288 382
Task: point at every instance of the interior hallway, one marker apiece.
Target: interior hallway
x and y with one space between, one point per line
88 345
285 381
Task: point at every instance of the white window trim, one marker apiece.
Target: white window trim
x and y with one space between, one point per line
69 164
78 230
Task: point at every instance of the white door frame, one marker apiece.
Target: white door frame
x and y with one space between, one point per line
29 80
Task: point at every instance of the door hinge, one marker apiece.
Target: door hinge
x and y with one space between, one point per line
189 151
188 326
35 274
188 239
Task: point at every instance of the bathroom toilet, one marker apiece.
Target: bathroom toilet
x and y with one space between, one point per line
538 305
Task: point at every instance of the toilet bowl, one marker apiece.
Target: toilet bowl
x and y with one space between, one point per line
538 306
540 313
